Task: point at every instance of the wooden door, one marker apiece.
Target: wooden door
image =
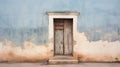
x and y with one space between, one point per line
63 37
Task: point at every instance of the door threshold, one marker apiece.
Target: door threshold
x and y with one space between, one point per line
63 57
63 60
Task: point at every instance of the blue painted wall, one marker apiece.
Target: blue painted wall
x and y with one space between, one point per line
22 20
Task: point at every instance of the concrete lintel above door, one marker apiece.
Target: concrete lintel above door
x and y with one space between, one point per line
63 13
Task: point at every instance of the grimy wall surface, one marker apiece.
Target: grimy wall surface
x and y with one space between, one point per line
24 29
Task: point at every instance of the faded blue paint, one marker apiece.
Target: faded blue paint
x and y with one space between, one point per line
21 20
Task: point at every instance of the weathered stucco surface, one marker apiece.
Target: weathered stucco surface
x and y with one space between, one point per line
98 38
102 51
85 51
29 52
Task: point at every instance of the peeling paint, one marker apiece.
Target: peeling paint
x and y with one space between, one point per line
21 20
83 50
29 52
96 50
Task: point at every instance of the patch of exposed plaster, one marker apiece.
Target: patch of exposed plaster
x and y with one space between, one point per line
29 52
96 50
83 50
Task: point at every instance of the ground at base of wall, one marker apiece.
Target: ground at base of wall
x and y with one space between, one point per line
60 65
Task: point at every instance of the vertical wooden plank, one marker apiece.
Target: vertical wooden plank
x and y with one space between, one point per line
68 48
58 34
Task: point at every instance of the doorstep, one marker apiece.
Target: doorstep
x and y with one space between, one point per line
63 60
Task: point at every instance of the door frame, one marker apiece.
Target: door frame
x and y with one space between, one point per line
62 15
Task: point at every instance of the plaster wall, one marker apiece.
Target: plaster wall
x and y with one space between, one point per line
24 29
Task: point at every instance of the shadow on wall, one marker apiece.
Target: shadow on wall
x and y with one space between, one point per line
83 50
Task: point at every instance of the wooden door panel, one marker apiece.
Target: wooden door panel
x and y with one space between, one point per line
58 42
58 27
68 37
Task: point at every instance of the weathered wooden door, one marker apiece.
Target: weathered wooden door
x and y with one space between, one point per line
63 44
